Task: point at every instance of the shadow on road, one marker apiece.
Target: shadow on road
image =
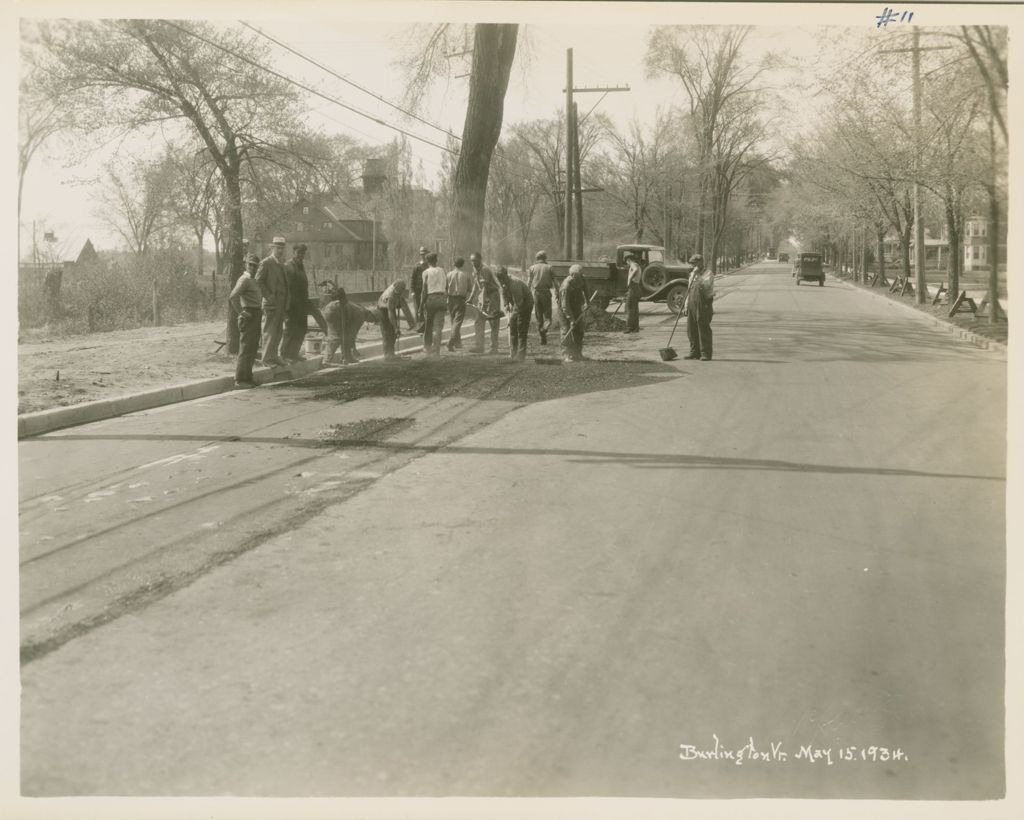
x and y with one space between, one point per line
649 460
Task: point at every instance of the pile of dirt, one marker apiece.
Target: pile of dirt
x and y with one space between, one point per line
365 430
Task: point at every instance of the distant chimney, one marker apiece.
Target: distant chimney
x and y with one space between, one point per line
374 176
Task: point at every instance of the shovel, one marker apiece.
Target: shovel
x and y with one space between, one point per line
668 353
583 315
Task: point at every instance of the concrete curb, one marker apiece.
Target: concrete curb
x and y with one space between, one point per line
967 335
56 418
34 424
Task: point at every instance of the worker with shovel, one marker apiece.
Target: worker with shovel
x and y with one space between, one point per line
487 300
519 305
572 310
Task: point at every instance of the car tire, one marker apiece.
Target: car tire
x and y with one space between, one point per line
652 278
676 298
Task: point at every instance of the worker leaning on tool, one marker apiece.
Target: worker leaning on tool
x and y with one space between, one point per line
487 300
542 282
700 298
573 297
390 302
518 306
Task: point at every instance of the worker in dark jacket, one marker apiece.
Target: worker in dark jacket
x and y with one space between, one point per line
344 319
245 298
699 309
299 307
518 307
573 297
388 305
270 276
417 283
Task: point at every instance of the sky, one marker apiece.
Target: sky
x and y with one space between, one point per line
608 41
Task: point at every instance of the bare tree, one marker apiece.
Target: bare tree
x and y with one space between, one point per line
139 73
708 62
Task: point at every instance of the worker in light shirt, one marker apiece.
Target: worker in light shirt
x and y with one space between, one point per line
632 293
432 308
388 305
460 286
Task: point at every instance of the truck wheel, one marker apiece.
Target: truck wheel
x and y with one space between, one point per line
652 278
676 298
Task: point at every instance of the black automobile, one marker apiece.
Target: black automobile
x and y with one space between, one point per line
808 266
783 257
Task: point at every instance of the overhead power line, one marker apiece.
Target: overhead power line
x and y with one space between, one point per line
304 87
345 79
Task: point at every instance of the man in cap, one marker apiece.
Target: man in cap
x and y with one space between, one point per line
541 283
344 319
632 293
460 285
388 305
700 295
299 306
417 283
245 298
273 282
519 305
572 309
432 307
487 298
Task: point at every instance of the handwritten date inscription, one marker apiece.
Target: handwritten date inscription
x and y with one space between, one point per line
777 752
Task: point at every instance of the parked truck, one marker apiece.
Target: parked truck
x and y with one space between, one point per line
660 280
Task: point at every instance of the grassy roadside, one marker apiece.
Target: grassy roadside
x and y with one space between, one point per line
979 324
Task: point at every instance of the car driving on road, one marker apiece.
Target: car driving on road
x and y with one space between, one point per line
808 266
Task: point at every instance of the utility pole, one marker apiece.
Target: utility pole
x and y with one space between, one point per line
572 171
578 188
921 294
569 129
919 250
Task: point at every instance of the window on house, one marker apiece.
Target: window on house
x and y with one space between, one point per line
327 226
981 253
983 230
300 227
327 251
305 210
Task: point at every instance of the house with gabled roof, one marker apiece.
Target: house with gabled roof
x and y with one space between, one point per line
339 233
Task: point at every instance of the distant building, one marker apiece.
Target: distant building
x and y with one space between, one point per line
976 244
936 251
337 233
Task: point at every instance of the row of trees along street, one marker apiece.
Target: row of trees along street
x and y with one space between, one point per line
728 172
851 177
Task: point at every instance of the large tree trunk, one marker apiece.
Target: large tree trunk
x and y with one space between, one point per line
234 247
953 259
880 247
494 48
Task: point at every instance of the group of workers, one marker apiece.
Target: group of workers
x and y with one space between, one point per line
271 299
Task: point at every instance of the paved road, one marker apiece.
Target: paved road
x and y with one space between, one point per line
799 545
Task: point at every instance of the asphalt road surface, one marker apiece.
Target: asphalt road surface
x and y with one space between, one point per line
777 574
